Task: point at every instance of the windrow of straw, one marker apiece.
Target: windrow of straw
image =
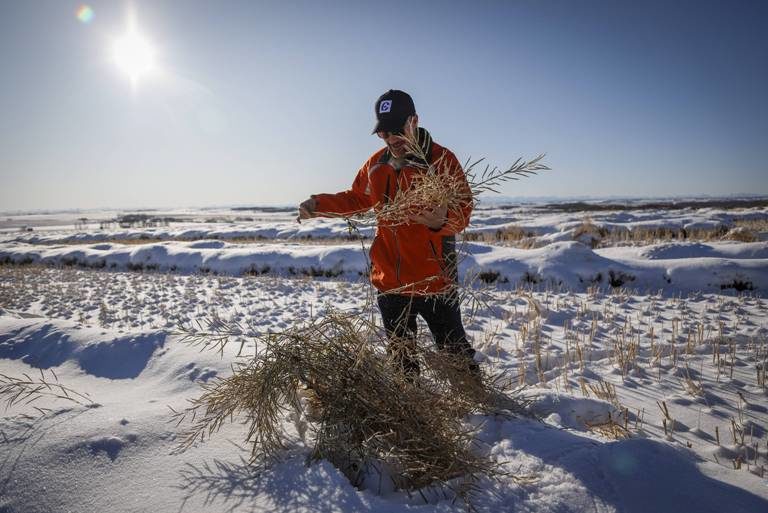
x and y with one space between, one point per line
370 415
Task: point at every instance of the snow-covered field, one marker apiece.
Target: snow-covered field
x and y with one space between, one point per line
677 356
640 248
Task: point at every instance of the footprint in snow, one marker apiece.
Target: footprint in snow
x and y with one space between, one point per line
194 373
109 445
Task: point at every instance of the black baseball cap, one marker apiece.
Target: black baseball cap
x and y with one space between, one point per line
392 111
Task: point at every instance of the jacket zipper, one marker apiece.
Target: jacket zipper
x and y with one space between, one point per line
397 256
437 258
394 232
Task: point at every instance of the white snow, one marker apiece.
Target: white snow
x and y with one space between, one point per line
103 316
675 267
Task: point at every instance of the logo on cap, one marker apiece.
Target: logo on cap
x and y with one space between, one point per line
385 106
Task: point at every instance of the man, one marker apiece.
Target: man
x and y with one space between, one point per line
413 263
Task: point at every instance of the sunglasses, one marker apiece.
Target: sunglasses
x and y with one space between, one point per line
386 134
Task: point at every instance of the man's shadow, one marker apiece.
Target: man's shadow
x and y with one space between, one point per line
629 476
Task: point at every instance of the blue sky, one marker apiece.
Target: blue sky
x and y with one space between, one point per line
261 102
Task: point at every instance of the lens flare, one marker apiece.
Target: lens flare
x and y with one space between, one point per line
84 13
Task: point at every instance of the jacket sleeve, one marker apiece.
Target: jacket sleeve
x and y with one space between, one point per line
460 211
346 203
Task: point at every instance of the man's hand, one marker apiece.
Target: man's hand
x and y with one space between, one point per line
307 209
434 218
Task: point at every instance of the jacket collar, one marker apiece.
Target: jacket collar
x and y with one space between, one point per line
425 145
424 140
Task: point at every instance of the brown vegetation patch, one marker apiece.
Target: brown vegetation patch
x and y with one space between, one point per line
366 414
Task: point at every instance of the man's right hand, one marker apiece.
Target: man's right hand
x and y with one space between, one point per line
307 209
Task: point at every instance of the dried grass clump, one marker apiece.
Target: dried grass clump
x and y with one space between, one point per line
606 391
589 233
620 235
515 236
27 389
438 185
442 185
610 429
367 415
759 226
742 234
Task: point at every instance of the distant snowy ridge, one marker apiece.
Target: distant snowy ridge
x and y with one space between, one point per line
671 267
280 229
548 225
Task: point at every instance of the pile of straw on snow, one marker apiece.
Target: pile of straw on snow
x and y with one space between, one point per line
365 414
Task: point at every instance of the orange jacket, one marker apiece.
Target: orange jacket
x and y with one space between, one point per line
407 258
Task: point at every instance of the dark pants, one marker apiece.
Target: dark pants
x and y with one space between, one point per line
441 314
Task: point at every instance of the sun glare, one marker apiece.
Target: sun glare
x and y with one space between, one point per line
134 56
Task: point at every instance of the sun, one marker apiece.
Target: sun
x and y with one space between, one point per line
134 55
